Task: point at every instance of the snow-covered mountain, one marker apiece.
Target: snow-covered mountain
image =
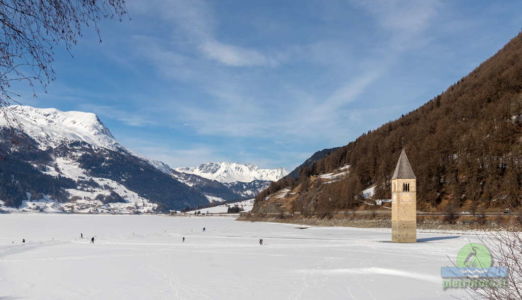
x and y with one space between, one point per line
227 172
69 161
51 127
228 182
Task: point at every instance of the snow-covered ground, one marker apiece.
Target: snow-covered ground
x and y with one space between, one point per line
246 205
143 257
213 199
336 175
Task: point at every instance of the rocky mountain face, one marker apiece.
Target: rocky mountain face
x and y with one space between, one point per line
69 161
234 172
465 147
228 182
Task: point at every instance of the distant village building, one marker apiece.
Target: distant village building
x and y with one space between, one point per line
404 202
382 201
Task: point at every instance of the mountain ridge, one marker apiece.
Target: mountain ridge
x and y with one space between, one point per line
228 172
218 181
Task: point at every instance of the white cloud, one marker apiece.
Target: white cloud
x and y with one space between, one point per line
234 56
403 15
348 92
195 20
404 19
125 116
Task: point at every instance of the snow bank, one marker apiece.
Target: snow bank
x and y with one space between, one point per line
369 192
336 175
246 205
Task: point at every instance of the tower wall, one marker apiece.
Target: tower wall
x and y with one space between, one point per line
404 211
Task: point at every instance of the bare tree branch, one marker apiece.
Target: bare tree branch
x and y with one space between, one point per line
506 250
31 29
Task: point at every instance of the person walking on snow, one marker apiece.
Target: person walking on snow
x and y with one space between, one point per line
92 240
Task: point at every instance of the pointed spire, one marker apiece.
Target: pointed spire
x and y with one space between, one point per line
403 169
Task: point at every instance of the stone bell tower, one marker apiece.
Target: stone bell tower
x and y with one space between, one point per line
404 202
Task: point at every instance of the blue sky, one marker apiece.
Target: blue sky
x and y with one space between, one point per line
270 82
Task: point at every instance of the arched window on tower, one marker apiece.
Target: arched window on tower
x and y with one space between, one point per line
405 187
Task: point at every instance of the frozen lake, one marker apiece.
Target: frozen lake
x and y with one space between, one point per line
143 257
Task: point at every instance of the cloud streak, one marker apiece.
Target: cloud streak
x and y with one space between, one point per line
234 56
196 20
130 118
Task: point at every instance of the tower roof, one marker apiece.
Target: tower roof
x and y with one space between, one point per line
403 169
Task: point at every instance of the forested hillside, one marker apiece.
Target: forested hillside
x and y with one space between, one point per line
465 146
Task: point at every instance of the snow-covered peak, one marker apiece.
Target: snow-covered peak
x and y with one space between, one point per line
233 172
51 127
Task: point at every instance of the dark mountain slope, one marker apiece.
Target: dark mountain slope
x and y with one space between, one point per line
310 161
206 186
19 177
465 147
